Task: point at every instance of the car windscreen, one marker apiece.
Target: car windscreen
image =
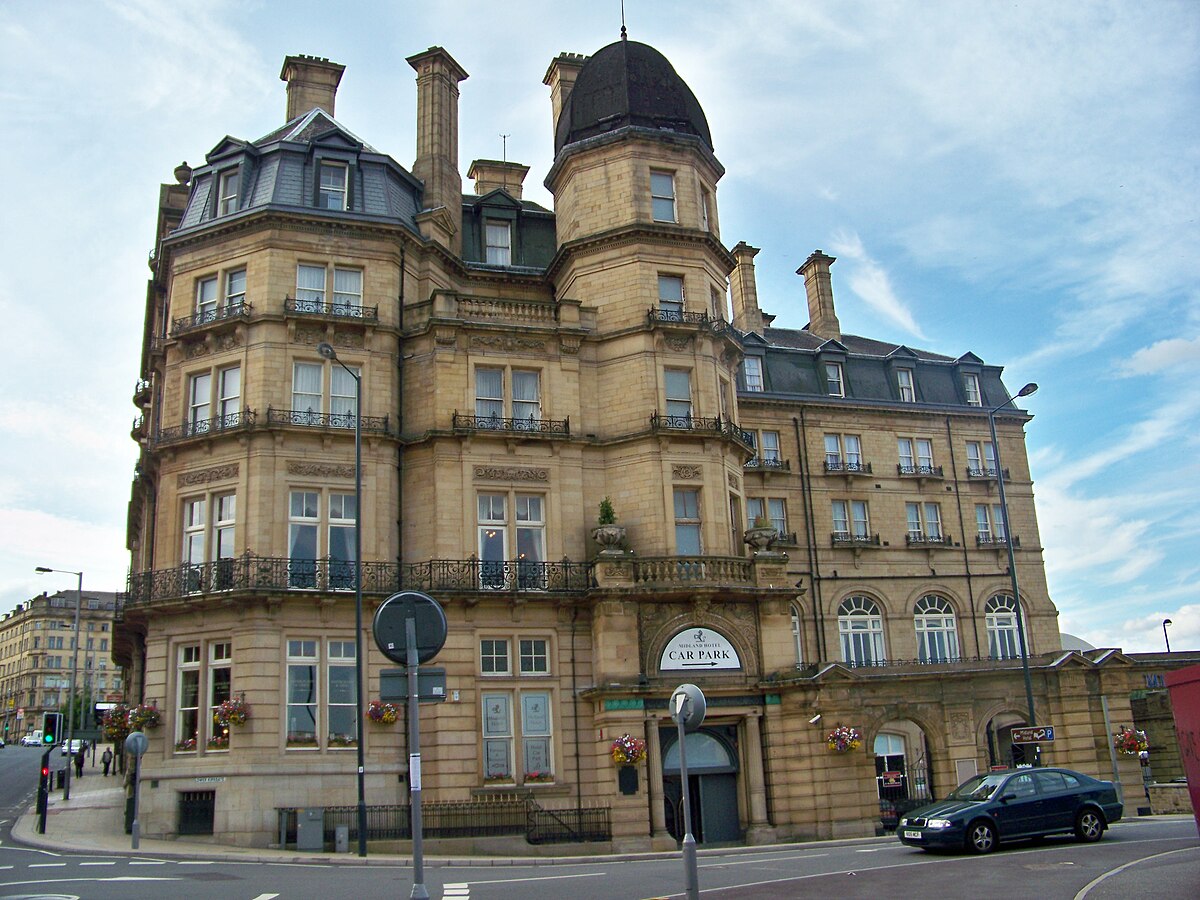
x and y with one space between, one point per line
981 787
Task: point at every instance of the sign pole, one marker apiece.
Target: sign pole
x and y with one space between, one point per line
414 759
135 745
691 878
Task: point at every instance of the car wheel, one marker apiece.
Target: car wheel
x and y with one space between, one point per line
1089 825
981 837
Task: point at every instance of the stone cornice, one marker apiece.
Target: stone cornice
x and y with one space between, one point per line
639 233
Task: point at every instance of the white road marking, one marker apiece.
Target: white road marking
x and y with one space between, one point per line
47 865
194 862
266 897
9 884
757 859
97 864
544 878
1098 879
147 862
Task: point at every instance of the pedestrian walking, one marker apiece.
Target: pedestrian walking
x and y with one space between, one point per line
107 759
79 758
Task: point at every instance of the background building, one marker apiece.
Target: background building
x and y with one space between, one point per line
518 366
37 643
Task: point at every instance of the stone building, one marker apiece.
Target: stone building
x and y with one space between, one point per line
518 366
37 649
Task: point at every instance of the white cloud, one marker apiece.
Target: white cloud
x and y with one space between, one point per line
869 280
1170 354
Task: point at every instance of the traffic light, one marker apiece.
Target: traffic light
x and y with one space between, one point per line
51 728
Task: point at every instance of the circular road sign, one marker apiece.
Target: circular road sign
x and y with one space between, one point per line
389 627
136 743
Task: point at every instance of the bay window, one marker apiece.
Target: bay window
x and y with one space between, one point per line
687 522
662 196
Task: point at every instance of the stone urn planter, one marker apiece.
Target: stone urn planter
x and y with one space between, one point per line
760 537
609 537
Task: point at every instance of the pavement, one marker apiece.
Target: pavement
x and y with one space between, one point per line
93 821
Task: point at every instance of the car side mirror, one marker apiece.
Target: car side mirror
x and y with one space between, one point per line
1006 797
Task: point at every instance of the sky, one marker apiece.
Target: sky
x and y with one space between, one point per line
1019 180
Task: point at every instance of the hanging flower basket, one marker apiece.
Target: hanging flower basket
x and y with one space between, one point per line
843 739
234 711
143 716
1129 741
627 750
115 724
382 713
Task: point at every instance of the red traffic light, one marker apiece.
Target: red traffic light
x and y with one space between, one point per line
45 771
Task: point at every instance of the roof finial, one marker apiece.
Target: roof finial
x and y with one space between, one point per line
624 36
504 147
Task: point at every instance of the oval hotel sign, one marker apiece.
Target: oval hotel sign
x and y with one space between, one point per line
699 649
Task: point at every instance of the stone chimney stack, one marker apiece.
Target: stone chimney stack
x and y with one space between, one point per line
312 82
560 77
436 164
822 320
746 314
490 174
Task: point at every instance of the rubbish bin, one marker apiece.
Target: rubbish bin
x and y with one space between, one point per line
341 839
60 779
310 828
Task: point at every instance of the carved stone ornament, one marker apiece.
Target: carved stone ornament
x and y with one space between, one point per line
204 476
734 481
319 470
445 336
229 341
197 348
352 340
685 472
678 344
510 473
309 334
569 345
507 343
960 726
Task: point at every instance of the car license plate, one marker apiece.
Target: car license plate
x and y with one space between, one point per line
915 835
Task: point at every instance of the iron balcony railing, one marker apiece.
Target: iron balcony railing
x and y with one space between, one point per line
235 421
988 472
202 317
308 418
846 539
768 464
717 425
141 392
845 467
250 572
919 471
986 541
658 314
334 310
919 539
529 426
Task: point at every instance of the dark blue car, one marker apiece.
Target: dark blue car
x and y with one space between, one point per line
1013 804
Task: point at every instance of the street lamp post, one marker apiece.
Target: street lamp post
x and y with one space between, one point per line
1167 622
326 350
43 570
1008 540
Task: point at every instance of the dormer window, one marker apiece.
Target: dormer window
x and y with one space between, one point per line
752 370
835 385
662 196
331 193
906 385
227 193
498 238
971 389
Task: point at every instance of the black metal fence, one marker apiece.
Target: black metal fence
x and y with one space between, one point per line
466 819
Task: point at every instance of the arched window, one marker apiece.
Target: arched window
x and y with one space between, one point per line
797 640
860 625
1001 618
937 638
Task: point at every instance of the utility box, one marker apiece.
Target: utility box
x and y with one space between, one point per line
310 828
341 839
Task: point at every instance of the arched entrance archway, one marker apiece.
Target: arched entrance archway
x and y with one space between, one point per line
712 784
902 775
1002 752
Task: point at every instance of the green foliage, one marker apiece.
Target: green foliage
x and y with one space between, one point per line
608 516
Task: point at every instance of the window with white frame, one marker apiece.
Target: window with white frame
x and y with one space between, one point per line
662 196
332 186
308 394
797 635
851 520
1000 616
989 523
199 419
536 763
341 691
767 449
706 209
497 242
526 531
194 533
753 373
220 689
235 290
835 385
199 403
860 627
347 292
916 456
771 509
525 402
227 193
308 542
187 698
229 396
906 385
670 298
843 453
310 287
724 394
678 385
313 286
971 389
494 656
687 522
534 656
937 635
981 459
924 523
302 694
206 300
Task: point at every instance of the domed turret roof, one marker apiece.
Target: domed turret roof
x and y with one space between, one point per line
628 83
